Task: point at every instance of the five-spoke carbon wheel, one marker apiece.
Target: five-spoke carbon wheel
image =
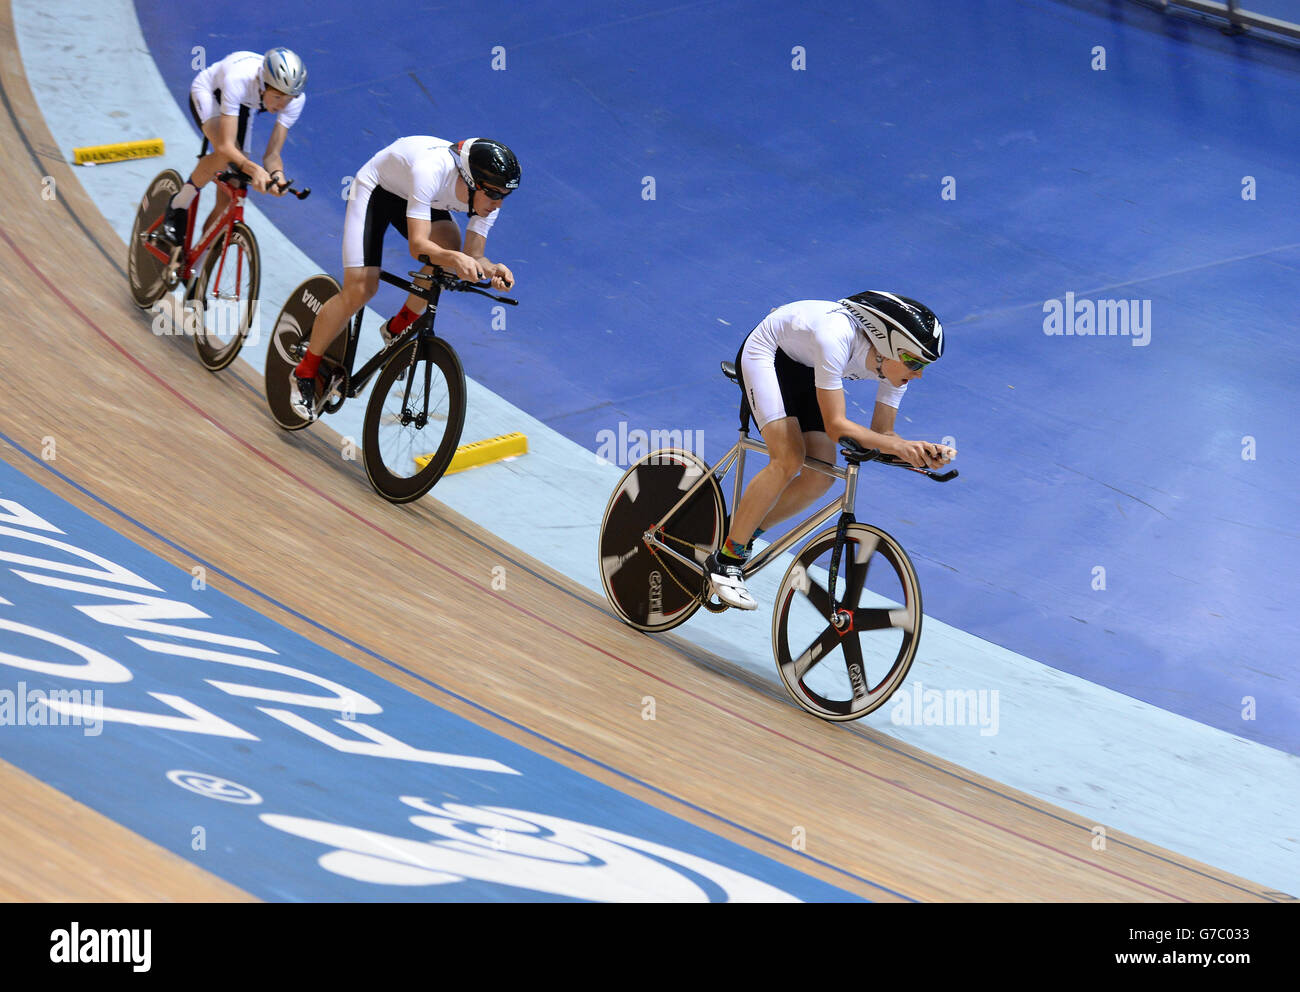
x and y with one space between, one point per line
843 671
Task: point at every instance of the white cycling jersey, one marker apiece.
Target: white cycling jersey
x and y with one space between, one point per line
816 333
422 171
238 78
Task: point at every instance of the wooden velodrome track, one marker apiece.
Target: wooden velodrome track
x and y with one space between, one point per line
195 457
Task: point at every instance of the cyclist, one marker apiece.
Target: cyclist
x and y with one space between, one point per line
792 367
413 184
223 98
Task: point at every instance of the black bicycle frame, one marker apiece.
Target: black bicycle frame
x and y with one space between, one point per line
423 327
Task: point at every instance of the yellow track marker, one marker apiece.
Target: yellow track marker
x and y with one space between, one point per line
92 154
492 449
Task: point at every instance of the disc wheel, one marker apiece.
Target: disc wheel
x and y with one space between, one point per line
647 588
144 273
225 295
414 419
843 673
289 339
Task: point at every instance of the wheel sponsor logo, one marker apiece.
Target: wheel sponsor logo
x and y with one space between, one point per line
166 185
312 303
512 847
212 787
287 330
656 592
859 684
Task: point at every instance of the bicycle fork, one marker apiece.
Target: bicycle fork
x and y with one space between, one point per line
421 418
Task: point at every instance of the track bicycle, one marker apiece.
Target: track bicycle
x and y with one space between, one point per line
416 411
221 296
846 623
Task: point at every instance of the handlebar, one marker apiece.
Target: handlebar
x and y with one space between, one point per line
854 452
242 179
449 280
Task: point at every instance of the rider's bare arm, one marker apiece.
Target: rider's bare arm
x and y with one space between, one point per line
880 434
420 243
882 419
272 160
228 150
501 276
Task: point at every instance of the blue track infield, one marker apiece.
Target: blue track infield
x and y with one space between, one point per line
286 770
1166 465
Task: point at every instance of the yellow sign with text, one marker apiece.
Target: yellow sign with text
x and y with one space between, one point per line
119 152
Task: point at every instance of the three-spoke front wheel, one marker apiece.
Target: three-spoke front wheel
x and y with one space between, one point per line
225 294
414 419
843 672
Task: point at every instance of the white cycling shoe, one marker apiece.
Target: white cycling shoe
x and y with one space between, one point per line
728 582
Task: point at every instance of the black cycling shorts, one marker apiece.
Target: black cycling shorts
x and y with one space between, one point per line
798 390
387 209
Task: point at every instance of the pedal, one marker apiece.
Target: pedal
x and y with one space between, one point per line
708 602
172 274
334 394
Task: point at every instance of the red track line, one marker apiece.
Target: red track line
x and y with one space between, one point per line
541 620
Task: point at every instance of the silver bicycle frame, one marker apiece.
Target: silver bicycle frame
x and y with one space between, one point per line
736 457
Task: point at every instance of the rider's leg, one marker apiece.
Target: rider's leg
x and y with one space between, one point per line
360 283
359 286
223 201
766 492
723 568
808 486
204 171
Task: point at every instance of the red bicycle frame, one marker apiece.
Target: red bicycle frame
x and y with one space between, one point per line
234 212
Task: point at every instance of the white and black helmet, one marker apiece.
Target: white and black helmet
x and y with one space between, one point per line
897 324
283 69
482 160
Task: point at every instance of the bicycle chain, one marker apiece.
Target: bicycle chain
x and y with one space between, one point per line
700 595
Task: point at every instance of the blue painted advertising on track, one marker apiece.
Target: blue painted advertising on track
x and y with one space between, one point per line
284 769
775 182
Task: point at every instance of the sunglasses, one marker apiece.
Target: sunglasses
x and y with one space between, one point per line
494 194
911 361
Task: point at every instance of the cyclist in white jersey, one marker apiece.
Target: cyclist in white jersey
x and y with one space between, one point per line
413 185
792 368
223 99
